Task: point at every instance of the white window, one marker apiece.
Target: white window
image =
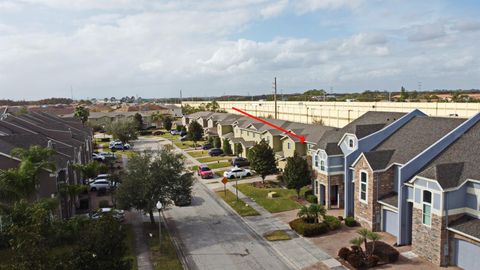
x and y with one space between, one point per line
363 186
316 160
350 143
322 165
427 208
288 145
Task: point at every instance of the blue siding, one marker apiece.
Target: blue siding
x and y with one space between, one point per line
433 185
418 195
421 182
473 185
335 169
471 201
335 161
436 201
456 199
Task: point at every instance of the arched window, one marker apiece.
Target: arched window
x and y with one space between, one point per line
427 208
363 186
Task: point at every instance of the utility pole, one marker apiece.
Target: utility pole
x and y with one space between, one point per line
180 97
275 95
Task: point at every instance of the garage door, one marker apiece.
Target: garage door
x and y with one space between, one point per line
466 255
390 222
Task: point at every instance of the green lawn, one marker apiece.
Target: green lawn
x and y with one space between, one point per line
210 159
164 257
169 136
278 235
186 144
220 173
279 204
197 153
131 246
214 165
238 205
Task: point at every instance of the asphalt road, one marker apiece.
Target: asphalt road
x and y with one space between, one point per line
212 237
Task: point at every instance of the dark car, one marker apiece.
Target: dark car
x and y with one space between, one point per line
183 133
207 146
240 162
215 152
183 200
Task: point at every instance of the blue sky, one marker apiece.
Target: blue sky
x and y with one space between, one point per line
154 48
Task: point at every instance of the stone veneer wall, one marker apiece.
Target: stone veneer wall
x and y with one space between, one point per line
369 214
336 179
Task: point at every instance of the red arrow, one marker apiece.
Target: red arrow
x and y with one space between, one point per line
301 138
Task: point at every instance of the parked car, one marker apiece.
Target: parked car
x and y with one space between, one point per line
98 157
183 133
204 172
100 183
240 162
215 152
183 200
185 138
237 173
117 214
207 146
119 146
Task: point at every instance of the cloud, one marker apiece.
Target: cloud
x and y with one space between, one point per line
469 25
426 32
304 6
274 9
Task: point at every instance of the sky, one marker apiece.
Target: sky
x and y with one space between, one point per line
155 48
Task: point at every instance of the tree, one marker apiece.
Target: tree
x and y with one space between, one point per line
312 213
403 94
157 118
238 149
90 169
217 142
70 192
297 173
138 120
82 113
195 131
227 148
123 130
150 179
210 140
262 159
167 123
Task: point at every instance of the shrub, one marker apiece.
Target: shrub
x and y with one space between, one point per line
145 132
332 222
356 260
308 229
312 199
104 139
158 133
372 261
308 193
103 204
384 251
350 222
340 218
344 252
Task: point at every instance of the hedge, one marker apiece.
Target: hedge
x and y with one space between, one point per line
350 222
308 229
311 198
384 251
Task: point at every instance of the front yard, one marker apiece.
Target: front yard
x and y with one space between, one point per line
210 159
198 153
238 205
165 256
214 165
284 202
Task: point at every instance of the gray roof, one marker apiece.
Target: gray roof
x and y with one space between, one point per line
363 126
390 199
410 140
467 225
458 162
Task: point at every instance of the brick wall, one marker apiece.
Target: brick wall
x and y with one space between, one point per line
334 180
428 241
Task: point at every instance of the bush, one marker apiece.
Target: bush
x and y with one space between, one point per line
308 193
332 222
158 133
372 261
344 253
308 229
350 222
104 139
103 204
312 199
340 218
355 260
145 132
384 251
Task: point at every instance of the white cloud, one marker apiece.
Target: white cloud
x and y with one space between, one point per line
426 32
304 6
274 9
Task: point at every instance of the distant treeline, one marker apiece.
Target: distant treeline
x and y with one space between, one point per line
47 101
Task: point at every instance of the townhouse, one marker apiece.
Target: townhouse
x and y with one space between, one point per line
71 141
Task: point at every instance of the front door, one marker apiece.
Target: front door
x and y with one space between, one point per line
334 195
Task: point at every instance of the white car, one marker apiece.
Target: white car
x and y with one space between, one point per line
237 173
98 157
106 155
100 183
117 214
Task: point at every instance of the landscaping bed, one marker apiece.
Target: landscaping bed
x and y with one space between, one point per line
309 228
238 205
278 235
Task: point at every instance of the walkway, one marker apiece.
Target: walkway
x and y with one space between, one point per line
141 249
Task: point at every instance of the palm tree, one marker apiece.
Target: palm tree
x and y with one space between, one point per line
357 242
303 212
373 236
70 192
363 232
317 211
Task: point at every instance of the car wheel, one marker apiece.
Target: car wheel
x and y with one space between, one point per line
232 177
249 174
93 189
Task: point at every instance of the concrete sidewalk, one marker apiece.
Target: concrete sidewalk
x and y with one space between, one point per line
141 249
299 251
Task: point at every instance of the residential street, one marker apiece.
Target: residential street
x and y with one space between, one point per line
213 237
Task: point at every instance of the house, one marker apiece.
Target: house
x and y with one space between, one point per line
71 141
329 152
173 109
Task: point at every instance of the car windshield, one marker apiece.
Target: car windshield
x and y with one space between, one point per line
205 169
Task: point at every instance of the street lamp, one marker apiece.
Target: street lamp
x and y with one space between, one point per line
159 207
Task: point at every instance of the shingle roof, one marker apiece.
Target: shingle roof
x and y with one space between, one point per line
458 162
410 140
363 126
467 225
390 199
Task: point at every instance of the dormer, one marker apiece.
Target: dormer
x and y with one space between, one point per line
348 143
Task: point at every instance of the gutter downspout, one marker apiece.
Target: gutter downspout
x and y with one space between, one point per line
447 244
